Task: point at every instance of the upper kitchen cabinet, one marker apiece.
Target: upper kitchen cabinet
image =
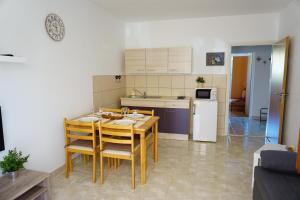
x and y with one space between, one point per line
157 60
180 60
135 61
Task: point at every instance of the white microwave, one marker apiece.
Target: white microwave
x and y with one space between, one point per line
206 93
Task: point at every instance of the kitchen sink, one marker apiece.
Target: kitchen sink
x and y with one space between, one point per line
136 97
152 97
143 97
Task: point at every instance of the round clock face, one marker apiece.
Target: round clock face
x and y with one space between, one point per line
55 27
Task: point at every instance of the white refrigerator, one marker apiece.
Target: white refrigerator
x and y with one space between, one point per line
205 117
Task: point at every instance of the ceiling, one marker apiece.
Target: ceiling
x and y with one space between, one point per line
145 10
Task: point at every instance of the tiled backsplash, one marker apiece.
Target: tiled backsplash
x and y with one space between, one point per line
180 85
107 91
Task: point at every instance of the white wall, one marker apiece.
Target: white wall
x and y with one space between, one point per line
260 76
204 35
56 82
289 19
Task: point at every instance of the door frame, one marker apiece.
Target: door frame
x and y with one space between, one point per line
228 64
284 93
250 69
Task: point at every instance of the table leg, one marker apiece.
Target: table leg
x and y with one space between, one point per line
156 142
153 143
143 159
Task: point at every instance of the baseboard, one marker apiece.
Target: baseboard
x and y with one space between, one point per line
61 169
173 136
57 171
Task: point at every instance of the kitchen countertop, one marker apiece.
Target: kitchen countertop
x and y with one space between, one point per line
157 102
161 98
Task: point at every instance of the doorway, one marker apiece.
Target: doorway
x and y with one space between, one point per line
249 89
239 86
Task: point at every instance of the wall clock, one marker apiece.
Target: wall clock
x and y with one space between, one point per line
55 27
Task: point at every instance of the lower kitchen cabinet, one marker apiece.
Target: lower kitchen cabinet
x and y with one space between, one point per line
172 120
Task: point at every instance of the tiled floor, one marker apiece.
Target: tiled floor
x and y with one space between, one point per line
186 170
244 126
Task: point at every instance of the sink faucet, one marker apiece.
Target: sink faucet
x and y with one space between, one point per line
141 93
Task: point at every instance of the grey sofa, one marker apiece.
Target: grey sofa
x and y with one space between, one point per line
276 178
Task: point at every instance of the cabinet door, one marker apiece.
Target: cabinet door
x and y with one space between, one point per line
180 60
157 112
176 121
171 120
157 60
135 61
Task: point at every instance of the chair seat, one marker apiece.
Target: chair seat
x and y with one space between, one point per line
84 145
120 149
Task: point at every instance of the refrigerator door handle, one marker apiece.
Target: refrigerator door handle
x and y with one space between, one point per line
194 109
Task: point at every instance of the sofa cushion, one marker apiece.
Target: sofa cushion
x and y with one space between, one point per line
277 186
280 161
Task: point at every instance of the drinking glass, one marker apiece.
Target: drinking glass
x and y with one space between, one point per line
124 110
134 112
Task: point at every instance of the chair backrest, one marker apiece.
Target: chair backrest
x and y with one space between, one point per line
144 112
114 110
116 134
87 130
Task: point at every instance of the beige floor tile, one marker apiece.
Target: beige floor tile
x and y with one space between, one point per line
185 170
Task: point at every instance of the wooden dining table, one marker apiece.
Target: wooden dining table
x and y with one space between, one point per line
150 124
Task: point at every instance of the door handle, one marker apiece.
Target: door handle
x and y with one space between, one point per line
283 94
194 109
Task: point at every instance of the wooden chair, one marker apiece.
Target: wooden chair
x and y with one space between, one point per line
149 135
80 137
118 142
144 112
110 161
114 110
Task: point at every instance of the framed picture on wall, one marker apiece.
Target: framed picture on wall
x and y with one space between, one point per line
215 58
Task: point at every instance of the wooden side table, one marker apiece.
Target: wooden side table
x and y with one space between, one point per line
28 185
256 156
